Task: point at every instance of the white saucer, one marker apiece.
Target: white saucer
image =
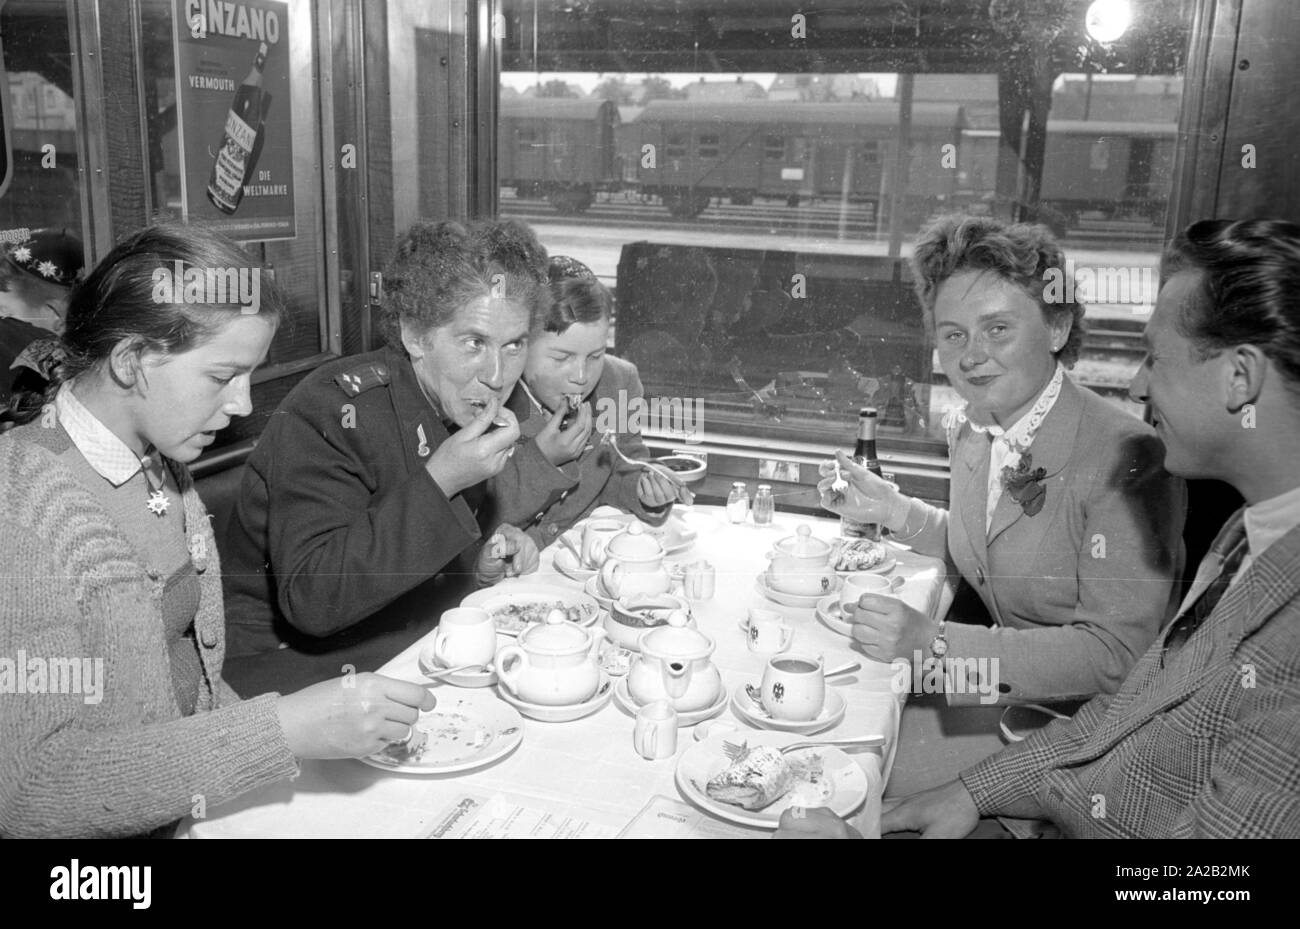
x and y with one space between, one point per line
568 565
802 601
832 617
562 714
596 591
754 714
429 664
623 697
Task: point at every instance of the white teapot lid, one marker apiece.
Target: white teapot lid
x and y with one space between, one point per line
677 640
802 544
555 636
635 544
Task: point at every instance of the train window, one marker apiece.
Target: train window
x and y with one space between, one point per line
765 274
44 188
527 139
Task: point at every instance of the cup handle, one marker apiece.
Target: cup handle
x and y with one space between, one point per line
651 741
439 644
787 638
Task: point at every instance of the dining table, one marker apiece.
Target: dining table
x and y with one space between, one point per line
584 777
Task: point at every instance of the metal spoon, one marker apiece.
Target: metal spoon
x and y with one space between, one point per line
436 676
607 438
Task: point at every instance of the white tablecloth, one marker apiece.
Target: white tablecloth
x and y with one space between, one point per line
589 767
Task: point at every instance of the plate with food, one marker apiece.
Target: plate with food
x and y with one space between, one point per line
753 712
756 784
851 556
514 604
468 729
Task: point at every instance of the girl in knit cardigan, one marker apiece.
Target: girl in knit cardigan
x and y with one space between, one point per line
114 718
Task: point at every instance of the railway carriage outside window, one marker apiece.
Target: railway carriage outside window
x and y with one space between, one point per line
780 181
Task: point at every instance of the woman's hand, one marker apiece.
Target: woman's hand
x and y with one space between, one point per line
944 812
351 716
868 498
560 446
656 489
816 823
888 628
508 553
473 454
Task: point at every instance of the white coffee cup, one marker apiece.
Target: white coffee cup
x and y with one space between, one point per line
768 632
466 635
596 534
794 687
655 732
855 585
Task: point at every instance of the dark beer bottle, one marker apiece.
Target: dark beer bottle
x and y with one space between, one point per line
239 143
864 453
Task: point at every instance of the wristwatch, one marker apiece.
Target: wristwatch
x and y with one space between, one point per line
939 644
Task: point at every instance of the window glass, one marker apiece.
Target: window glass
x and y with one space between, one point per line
44 188
189 91
770 174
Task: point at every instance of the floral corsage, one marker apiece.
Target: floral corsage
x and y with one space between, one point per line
1024 483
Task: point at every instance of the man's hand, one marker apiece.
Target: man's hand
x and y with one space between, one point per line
944 812
817 823
560 446
473 454
888 628
508 553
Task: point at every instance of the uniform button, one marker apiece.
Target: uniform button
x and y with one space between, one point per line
552 529
208 638
564 494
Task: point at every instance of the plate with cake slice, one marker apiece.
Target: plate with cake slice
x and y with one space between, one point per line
757 784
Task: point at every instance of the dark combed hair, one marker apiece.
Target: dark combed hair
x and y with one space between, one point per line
576 296
1020 253
1249 282
120 299
439 267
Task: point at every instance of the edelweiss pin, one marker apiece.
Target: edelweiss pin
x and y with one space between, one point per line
158 503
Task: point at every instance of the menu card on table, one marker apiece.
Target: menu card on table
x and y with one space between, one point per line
505 816
665 818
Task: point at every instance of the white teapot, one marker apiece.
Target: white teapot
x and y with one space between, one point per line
674 665
555 663
801 564
634 564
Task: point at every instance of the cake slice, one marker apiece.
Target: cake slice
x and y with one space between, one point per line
756 779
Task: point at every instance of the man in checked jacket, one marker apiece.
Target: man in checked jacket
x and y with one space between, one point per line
1203 738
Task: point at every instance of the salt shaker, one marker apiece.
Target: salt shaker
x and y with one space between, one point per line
764 505
738 502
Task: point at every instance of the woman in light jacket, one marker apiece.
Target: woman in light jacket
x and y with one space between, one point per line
1063 519
114 717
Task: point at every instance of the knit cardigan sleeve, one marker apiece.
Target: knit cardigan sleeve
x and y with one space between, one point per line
94 743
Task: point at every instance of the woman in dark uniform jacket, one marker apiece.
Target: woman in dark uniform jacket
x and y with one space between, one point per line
363 500
559 472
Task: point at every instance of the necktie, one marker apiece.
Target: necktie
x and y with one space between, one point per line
1233 543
